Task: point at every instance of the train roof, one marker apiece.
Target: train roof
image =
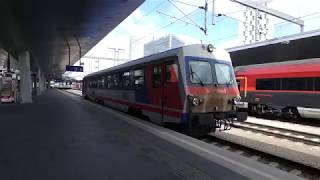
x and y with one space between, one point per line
218 53
295 62
306 65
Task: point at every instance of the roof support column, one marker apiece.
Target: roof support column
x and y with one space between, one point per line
25 77
42 82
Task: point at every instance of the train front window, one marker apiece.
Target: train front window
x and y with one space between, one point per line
200 72
224 74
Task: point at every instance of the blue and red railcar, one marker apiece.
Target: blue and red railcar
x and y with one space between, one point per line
290 89
193 86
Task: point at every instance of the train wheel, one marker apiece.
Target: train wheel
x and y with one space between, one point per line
295 114
131 111
291 113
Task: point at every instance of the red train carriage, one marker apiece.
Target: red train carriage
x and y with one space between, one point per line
193 86
290 89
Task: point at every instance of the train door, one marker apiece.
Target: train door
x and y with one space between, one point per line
171 94
164 92
156 92
242 86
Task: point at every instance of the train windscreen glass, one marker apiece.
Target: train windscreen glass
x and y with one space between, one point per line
200 72
224 74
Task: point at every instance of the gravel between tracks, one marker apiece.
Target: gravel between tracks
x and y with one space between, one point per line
294 151
285 125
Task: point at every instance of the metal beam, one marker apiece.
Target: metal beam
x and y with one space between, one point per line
103 58
271 11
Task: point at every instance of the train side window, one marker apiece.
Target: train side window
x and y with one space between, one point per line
115 81
297 84
171 73
156 76
109 82
101 83
106 82
126 79
120 81
317 84
268 84
138 78
94 83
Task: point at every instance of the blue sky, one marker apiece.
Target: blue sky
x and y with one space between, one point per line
154 11
146 23
150 22
154 18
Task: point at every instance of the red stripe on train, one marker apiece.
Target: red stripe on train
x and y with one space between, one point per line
143 107
282 91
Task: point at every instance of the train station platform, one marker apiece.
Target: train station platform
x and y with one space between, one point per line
62 136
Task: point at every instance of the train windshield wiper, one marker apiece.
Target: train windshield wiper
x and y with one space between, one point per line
198 77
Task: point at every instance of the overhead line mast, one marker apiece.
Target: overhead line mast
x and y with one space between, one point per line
272 12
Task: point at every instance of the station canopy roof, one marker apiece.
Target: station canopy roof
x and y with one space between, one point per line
294 47
44 27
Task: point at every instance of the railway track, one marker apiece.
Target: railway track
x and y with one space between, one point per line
296 136
266 157
292 167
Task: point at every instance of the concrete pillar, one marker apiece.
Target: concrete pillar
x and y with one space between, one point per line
41 78
42 82
25 77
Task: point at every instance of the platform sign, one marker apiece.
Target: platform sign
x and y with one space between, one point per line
74 68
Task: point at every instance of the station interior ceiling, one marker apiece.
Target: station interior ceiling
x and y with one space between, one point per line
45 28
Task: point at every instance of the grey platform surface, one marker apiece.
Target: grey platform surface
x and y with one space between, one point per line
62 136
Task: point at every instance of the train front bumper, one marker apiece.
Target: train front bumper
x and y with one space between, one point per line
242 111
211 117
241 105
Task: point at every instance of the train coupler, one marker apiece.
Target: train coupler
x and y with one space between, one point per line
224 124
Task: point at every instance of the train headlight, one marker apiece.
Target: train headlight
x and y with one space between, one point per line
210 47
237 99
196 101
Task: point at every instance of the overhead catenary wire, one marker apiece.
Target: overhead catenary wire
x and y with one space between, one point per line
151 11
187 23
225 14
173 17
307 15
227 37
187 16
180 19
165 26
188 4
